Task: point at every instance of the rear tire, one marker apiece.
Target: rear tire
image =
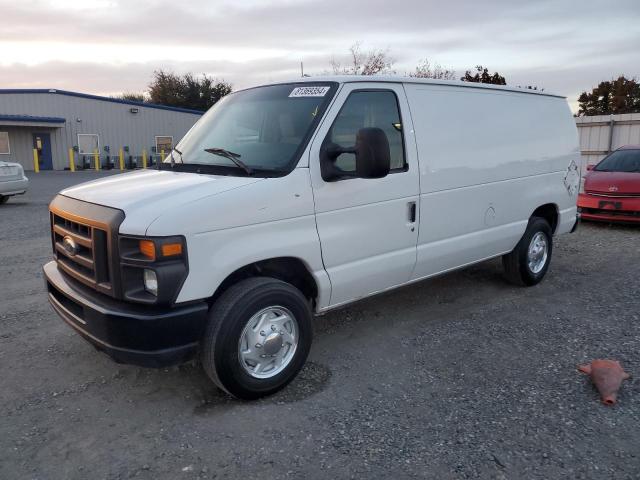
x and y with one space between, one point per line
529 261
3 199
255 318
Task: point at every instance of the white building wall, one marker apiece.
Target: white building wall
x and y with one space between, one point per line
113 122
21 145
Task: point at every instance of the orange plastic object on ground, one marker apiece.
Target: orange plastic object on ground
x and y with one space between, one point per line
607 376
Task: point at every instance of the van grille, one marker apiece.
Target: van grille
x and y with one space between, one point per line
88 263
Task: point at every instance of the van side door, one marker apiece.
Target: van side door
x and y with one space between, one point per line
368 228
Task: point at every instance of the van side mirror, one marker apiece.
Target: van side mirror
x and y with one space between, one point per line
590 167
373 156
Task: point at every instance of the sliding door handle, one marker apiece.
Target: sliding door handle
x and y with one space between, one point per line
411 210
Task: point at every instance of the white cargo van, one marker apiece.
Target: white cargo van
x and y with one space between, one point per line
291 199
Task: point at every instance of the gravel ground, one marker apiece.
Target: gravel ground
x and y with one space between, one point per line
463 376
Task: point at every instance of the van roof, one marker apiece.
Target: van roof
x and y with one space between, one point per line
403 79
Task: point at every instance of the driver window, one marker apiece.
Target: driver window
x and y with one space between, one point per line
368 109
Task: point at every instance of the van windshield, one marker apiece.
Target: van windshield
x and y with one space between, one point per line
261 131
620 161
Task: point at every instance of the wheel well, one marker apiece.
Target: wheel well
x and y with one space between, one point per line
550 213
288 269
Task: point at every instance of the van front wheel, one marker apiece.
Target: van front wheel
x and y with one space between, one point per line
257 338
529 261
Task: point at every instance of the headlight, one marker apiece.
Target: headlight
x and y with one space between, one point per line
167 249
152 269
150 282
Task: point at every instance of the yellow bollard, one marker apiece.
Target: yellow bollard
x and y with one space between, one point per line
121 156
144 159
161 156
72 163
96 158
36 161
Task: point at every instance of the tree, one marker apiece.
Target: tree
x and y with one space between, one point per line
132 97
530 87
483 76
437 71
611 97
372 62
187 91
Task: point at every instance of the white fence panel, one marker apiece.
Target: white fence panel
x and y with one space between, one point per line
601 134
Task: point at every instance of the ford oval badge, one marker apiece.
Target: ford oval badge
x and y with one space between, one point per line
70 246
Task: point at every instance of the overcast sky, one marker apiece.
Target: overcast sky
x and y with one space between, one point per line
112 46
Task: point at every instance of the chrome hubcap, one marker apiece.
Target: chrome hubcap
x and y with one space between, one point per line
538 252
268 342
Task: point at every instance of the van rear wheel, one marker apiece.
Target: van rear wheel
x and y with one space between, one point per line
528 263
258 337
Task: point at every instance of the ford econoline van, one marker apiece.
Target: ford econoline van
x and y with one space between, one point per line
288 200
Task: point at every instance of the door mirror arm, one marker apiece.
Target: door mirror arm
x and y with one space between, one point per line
328 168
334 150
372 156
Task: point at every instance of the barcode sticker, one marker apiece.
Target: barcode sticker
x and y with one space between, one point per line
308 92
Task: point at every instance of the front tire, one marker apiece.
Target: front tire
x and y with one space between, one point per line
258 337
528 263
4 199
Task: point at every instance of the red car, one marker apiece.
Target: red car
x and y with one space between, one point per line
612 188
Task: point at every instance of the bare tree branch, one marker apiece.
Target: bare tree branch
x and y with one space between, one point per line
372 62
437 71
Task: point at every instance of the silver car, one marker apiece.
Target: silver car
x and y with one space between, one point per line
12 180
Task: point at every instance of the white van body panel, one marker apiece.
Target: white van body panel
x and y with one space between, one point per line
367 242
148 194
480 159
488 159
271 218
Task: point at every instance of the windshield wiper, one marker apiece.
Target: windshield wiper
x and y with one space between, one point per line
234 157
172 160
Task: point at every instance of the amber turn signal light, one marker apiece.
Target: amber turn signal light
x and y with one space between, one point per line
171 249
148 249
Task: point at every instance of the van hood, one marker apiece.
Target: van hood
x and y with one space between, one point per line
612 183
145 195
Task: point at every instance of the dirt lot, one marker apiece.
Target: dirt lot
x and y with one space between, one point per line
463 376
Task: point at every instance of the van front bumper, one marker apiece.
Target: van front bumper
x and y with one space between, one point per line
128 333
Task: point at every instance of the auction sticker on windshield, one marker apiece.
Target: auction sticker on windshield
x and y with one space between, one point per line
309 92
